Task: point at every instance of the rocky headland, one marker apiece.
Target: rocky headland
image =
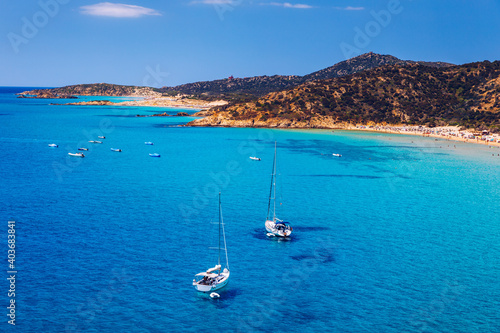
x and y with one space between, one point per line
94 89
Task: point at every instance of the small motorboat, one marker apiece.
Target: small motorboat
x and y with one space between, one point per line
92 141
149 143
155 155
83 149
116 149
337 155
254 158
101 137
76 154
53 145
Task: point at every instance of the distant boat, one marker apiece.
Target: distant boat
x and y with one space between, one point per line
76 154
338 155
254 158
215 278
148 143
83 149
92 141
101 137
116 149
53 145
155 155
275 226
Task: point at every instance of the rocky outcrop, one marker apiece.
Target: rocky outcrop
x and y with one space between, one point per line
164 114
203 113
224 119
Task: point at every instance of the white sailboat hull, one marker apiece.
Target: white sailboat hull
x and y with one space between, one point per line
221 281
271 228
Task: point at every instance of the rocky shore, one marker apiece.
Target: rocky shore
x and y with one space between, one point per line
164 114
224 119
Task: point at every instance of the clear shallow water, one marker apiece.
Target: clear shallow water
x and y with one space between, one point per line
400 234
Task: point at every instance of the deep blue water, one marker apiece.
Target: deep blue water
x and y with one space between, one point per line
400 234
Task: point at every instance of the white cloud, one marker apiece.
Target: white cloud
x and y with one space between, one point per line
117 10
350 8
235 2
214 2
289 5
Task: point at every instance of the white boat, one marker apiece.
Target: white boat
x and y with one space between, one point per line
53 145
155 155
149 143
254 158
92 141
214 278
338 155
101 137
116 149
275 226
76 154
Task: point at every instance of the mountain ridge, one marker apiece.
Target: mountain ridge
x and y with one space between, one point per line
233 89
261 85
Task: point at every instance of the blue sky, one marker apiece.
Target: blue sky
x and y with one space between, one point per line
165 43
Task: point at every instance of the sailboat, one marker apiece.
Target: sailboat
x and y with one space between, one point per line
215 278
275 226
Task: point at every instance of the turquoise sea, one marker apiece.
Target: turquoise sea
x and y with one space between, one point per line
400 234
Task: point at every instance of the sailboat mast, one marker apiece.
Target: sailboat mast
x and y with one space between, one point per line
224 237
274 171
219 228
272 182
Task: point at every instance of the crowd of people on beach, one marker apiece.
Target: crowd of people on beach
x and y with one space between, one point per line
452 132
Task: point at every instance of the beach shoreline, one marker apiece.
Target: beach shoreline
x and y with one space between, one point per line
160 102
450 133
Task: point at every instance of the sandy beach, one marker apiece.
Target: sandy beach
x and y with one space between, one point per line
173 102
451 133
161 102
